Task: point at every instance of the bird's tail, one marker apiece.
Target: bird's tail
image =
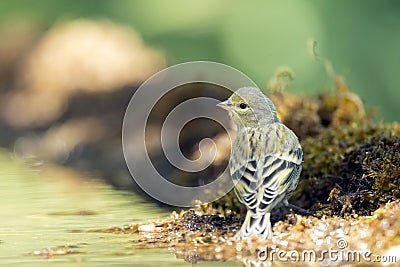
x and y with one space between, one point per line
256 225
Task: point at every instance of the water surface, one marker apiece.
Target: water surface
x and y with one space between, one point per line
48 207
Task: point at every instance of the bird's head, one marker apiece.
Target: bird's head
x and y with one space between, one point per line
249 107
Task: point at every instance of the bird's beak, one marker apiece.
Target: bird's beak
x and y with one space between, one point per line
225 105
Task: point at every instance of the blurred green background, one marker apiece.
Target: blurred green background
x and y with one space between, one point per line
360 38
69 67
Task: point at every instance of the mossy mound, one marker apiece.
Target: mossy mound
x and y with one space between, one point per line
350 170
309 115
371 177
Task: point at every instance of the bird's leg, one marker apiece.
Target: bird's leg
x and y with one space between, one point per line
297 209
255 225
266 227
241 232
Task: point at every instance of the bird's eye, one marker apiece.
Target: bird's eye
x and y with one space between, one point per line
242 105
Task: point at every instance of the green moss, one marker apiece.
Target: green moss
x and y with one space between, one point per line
350 170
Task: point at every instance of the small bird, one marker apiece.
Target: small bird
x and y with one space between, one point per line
265 162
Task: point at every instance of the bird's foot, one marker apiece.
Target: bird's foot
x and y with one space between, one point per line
298 210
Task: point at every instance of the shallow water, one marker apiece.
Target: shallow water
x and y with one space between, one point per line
47 207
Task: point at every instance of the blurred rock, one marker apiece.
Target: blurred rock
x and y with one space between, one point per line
60 140
80 55
17 38
63 93
87 136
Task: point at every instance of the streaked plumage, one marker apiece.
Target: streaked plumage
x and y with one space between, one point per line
266 159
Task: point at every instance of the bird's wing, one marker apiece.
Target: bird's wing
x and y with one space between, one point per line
278 176
244 179
257 186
